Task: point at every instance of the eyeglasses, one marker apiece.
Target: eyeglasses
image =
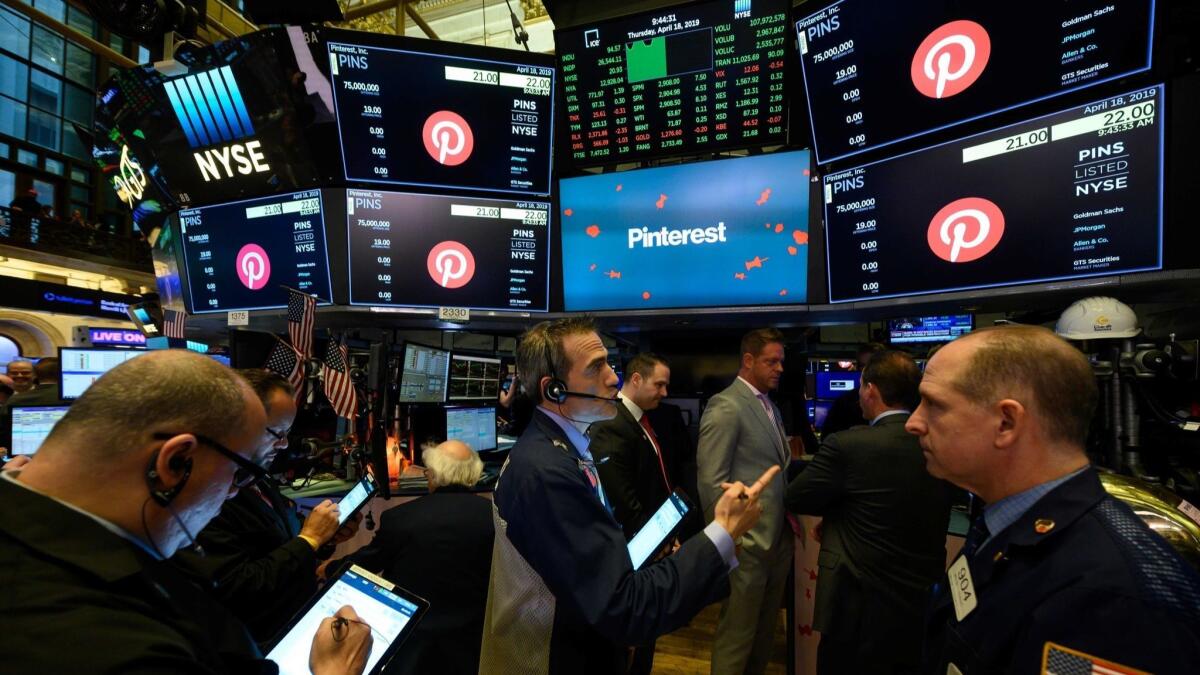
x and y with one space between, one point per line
341 629
278 435
247 471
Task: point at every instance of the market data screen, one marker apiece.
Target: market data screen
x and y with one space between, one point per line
474 378
423 377
82 367
413 250
1073 194
474 426
241 255
880 72
407 116
928 328
695 78
31 426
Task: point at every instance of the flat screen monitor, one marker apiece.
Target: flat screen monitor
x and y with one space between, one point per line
833 385
441 115
31 425
240 255
474 378
423 377
410 250
82 367
929 328
475 426
881 72
1070 195
820 413
709 234
694 78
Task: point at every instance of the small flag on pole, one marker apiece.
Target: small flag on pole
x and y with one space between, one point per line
339 389
301 314
286 362
174 323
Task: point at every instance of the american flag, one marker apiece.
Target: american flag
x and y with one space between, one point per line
338 387
1059 660
173 323
301 312
285 361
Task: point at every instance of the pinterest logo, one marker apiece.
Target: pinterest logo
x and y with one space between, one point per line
448 138
451 264
966 229
253 266
950 59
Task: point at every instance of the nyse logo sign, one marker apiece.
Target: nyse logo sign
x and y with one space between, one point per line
213 115
950 59
965 229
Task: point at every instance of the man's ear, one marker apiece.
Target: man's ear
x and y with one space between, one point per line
1013 418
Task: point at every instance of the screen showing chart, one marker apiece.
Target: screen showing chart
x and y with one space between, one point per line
241 255
707 234
423 378
695 78
1073 194
928 328
82 367
474 378
429 114
881 72
412 250
474 426
31 425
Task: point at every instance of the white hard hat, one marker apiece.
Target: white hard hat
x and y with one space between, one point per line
1097 318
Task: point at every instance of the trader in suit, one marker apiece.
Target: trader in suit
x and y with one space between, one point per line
47 371
1056 575
563 596
440 547
741 435
883 536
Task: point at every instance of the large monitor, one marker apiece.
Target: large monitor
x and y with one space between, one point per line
411 250
423 376
693 78
475 426
31 424
240 255
82 367
474 378
928 328
433 114
832 385
880 72
710 234
1073 194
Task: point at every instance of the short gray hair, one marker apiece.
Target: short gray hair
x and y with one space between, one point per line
445 470
541 354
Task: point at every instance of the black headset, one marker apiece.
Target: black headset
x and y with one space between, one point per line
161 496
555 390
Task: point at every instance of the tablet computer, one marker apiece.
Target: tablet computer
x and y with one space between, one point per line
356 498
657 531
389 610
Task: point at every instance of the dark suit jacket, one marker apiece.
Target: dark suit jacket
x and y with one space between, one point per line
42 394
84 600
1099 582
254 561
628 468
883 537
440 547
680 455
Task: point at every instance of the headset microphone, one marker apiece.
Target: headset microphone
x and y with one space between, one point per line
556 390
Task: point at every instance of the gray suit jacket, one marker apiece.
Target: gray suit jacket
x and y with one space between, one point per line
739 442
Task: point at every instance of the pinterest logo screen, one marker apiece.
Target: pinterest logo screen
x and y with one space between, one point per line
448 138
253 267
950 59
451 264
965 229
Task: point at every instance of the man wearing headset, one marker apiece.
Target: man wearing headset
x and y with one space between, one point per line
563 596
142 461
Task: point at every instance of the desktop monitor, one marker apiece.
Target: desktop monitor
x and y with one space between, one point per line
82 367
833 385
820 413
423 377
31 425
475 426
474 378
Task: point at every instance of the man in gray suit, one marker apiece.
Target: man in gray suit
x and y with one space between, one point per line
883 536
741 435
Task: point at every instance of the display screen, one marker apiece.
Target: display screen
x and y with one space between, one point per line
242 255
653 535
820 412
880 72
929 328
708 234
833 385
474 426
31 426
474 377
82 367
355 498
695 78
423 378
412 250
428 114
1068 195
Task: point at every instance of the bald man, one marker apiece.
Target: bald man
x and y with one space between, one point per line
440 547
1056 575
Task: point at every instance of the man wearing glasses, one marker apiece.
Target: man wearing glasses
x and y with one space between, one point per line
260 560
144 459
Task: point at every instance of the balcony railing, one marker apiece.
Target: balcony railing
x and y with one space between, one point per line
50 235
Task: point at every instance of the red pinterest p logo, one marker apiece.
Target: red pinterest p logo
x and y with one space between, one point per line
448 138
450 264
950 59
965 229
253 267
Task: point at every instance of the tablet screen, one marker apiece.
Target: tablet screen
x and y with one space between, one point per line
653 535
355 498
377 602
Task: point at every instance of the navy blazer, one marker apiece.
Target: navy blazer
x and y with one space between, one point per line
557 523
1096 581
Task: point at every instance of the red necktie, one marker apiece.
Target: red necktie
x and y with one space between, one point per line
645 422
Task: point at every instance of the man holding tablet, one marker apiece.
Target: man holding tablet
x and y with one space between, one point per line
113 491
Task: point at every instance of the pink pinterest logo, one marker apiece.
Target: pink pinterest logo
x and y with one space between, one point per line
950 59
965 229
448 138
253 267
451 264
